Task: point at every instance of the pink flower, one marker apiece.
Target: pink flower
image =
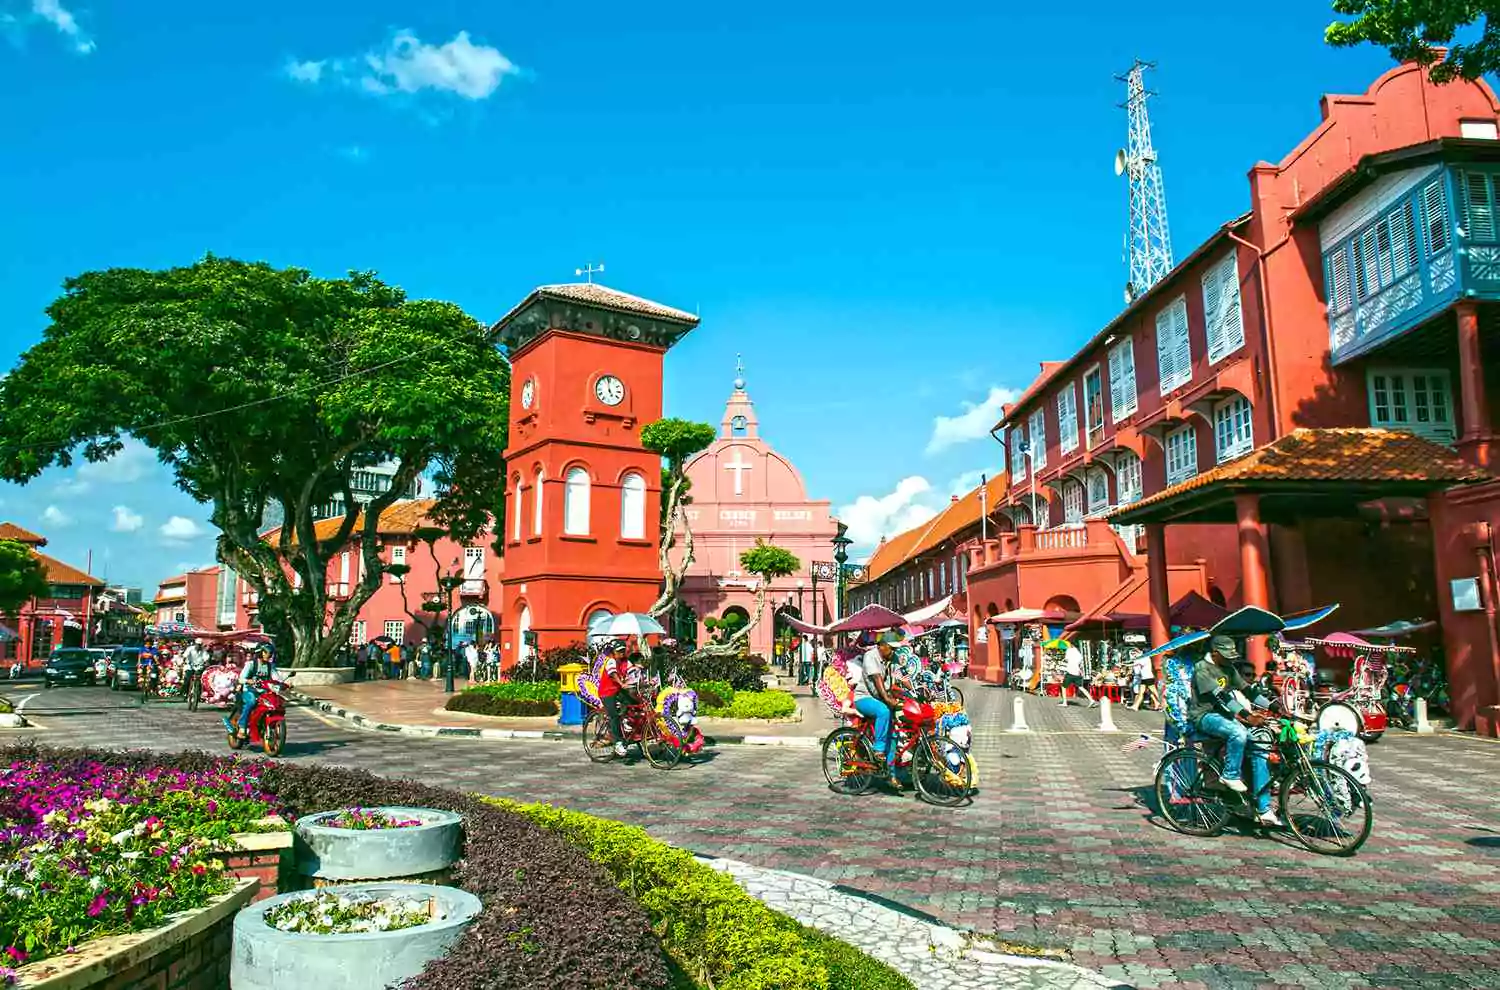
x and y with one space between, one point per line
97 905
15 954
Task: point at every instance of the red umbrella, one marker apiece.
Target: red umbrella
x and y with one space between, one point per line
869 617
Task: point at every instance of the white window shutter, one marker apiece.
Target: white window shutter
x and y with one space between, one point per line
1183 361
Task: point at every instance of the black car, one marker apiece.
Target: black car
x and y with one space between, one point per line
123 671
69 666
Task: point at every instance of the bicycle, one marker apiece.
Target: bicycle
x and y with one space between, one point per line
194 689
641 727
851 767
1190 794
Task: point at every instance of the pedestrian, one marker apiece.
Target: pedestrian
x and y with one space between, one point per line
1073 674
411 660
1145 675
393 661
471 659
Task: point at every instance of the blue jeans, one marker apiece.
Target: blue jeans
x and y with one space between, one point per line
878 710
247 702
1236 738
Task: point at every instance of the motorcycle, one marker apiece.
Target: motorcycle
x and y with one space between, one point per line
266 722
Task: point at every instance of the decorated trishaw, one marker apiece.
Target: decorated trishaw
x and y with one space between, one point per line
219 682
1308 690
664 726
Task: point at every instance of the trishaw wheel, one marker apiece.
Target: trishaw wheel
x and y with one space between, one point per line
1342 716
661 752
955 695
274 738
941 772
848 762
1327 809
1187 795
596 741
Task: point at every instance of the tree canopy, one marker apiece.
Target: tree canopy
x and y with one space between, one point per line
767 562
22 577
261 387
676 440
1412 30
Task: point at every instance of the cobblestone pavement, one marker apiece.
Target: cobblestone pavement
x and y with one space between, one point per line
1059 850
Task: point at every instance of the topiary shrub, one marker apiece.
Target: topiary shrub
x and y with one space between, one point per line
718 933
552 919
545 669
713 694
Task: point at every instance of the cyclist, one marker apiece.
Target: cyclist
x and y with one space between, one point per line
260 666
1220 709
616 690
194 659
146 665
873 697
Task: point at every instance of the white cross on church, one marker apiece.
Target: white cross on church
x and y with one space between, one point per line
739 466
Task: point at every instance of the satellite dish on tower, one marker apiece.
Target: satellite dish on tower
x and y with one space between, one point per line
1129 293
1120 162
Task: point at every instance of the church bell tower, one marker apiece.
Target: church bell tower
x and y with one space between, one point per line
583 497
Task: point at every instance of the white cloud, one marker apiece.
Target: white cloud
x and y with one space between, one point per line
355 153
53 516
126 521
132 463
966 482
180 529
72 487
974 423
409 65
54 13
308 72
870 517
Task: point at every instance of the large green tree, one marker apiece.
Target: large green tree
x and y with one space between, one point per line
676 440
22 577
261 387
1412 30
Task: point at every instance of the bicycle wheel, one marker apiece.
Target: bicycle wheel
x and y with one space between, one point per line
596 741
662 752
941 772
1186 794
848 762
954 694
1327 809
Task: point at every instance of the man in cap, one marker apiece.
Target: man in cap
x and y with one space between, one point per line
1220 709
872 694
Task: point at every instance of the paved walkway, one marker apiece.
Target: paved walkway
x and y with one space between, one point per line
1060 850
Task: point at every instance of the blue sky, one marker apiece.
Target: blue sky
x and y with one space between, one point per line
894 217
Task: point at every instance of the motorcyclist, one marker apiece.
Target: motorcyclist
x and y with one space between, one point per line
260 666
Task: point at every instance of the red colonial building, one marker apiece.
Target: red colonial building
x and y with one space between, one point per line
60 619
1297 413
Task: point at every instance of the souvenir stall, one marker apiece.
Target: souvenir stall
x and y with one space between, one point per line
1024 630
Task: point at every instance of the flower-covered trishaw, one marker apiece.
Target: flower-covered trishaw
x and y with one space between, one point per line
1306 690
218 684
664 726
1318 780
169 640
931 732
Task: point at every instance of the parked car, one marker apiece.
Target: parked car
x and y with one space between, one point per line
123 672
69 665
101 655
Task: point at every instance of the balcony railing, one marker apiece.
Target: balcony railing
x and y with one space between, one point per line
1068 537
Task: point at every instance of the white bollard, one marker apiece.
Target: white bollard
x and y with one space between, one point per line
1106 720
1423 725
1018 720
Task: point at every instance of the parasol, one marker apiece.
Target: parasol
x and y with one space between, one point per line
1055 643
868 618
1397 629
1347 644
625 624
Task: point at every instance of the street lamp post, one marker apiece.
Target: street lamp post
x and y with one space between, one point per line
449 583
841 544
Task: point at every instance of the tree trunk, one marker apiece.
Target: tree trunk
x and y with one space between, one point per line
672 575
741 637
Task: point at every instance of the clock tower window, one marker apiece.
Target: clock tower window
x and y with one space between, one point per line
576 503
633 507
516 516
536 495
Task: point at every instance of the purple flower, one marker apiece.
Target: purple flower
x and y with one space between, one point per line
97 905
15 954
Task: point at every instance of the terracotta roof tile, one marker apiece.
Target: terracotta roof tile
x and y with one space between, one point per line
1351 455
10 531
602 296
60 573
400 519
957 516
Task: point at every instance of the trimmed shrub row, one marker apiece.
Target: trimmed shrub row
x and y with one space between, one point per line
553 920
753 704
713 929
514 699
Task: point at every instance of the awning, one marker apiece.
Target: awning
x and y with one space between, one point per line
868 618
806 628
1017 615
921 615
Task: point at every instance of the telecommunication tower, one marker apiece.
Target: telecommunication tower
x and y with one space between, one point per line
1149 243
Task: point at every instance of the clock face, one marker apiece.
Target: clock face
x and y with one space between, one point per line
609 390
528 393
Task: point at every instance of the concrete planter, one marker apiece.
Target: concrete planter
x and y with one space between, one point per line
312 676
340 854
264 958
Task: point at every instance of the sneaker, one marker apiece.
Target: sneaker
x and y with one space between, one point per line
621 751
1238 786
1268 819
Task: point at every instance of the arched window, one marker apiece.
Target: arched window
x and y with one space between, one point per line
576 502
516 516
633 507
1072 503
597 615
536 496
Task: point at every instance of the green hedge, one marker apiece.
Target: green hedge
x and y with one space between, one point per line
720 935
518 691
755 704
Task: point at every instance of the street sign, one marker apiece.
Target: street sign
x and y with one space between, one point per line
825 570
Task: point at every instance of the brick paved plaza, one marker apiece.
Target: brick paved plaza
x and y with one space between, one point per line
1059 850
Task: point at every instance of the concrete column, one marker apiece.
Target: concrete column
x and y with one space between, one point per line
1478 438
1156 583
1027 535
1254 583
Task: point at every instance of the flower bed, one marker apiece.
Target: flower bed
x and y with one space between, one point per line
91 849
331 912
360 820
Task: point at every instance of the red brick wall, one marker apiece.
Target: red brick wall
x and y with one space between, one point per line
197 963
274 868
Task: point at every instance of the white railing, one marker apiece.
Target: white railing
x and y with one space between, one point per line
472 586
1062 538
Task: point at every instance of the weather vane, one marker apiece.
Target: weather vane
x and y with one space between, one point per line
590 271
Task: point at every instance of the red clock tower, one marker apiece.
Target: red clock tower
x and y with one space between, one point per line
583 497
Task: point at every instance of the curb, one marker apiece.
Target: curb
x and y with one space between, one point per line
362 721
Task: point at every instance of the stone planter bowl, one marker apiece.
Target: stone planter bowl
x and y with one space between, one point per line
320 676
327 853
264 958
